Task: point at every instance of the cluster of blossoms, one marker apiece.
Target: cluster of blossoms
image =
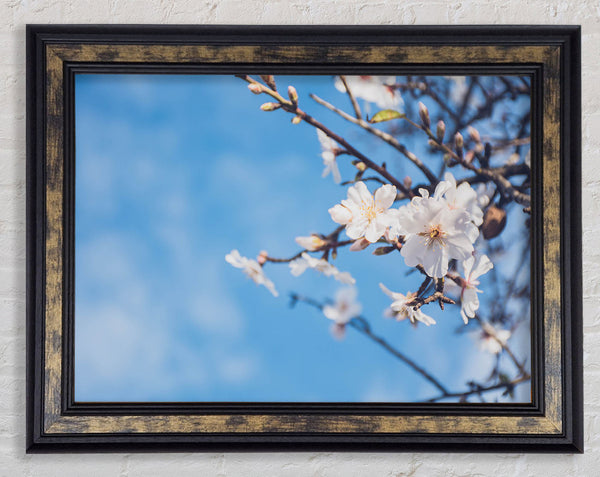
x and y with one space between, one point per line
431 230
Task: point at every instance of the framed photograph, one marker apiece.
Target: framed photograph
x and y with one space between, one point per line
293 238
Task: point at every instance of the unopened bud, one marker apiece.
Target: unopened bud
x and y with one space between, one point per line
494 221
296 119
311 243
256 88
407 182
459 142
440 131
262 257
474 134
270 106
270 81
361 166
359 245
293 95
432 143
424 114
384 250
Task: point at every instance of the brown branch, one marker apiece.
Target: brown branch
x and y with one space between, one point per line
506 188
361 325
481 390
288 106
352 99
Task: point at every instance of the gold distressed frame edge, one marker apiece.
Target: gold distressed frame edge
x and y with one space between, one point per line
56 423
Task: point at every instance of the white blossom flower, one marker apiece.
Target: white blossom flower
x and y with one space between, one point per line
434 234
402 310
463 197
311 243
363 214
328 153
252 269
380 90
300 265
491 339
473 268
343 310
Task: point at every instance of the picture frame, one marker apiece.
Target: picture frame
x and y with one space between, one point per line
550 55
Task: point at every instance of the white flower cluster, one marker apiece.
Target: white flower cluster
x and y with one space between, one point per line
433 230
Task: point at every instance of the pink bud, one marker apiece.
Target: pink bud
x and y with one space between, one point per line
255 88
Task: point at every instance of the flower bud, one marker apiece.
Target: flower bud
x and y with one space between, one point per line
311 243
440 130
256 88
459 142
432 143
361 166
296 119
474 134
407 182
262 257
494 221
270 106
424 114
359 245
293 95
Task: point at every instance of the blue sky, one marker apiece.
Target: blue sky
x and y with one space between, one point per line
175 171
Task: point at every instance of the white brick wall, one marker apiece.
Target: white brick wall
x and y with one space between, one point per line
14 14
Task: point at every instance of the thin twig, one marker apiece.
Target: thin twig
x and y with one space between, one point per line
352 98
388 138
360 324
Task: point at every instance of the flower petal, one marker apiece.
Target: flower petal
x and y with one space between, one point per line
340 214
385 196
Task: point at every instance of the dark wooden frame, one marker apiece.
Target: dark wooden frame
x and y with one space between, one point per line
551 423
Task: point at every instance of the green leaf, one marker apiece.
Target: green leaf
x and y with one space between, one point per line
386 115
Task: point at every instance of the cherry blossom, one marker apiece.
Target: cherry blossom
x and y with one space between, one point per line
363 214
434 234
300 265
473 268
402 310
374 89
491 339
252 269
343 310
329 153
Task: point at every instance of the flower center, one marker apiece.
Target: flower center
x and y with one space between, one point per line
369 211
435 235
